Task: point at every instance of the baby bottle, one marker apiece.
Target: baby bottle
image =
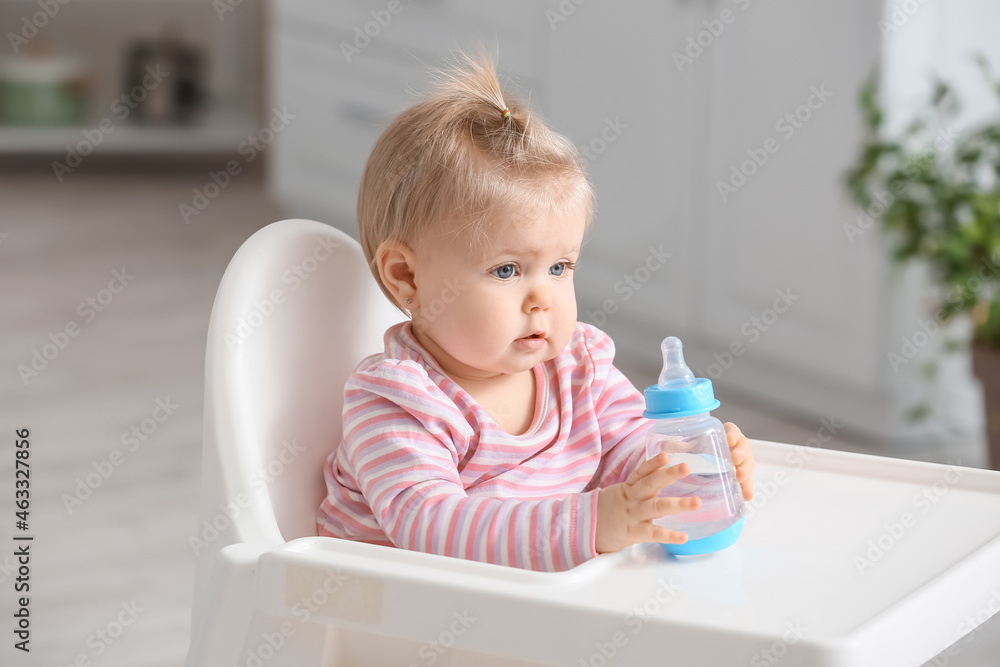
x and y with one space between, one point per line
684 429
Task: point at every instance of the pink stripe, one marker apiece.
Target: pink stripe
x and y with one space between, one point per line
413 426
532 539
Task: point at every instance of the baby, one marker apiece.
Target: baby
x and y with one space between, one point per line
494 426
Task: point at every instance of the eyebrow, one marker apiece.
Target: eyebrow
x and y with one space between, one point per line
507 251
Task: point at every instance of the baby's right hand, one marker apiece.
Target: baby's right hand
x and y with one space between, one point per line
625 511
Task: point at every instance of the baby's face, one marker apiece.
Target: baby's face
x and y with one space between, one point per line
502 309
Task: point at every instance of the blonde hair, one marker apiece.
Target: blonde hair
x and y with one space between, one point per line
458 157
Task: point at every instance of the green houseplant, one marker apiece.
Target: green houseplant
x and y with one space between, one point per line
937 195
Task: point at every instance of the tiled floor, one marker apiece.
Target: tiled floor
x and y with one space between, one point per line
111 569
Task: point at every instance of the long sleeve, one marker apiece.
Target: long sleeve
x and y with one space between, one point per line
618 406
403 449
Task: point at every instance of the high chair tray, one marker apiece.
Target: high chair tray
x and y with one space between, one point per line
846 560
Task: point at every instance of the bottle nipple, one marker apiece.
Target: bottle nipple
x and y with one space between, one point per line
679 393
675 372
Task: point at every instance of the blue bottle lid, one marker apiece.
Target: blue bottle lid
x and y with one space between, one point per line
679 393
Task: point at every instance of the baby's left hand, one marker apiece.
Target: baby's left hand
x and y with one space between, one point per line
739 447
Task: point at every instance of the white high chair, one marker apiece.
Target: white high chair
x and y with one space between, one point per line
297 310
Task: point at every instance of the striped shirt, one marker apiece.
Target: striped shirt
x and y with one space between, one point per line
422 466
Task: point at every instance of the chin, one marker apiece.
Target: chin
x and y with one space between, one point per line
557 346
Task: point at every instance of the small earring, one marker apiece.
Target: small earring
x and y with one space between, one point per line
409 300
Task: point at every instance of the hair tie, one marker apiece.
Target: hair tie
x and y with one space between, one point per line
506 113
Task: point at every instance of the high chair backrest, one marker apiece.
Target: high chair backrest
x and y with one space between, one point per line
296 311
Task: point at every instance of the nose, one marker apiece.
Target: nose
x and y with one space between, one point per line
538 298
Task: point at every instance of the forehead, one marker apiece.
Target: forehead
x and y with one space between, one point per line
523 235
559 230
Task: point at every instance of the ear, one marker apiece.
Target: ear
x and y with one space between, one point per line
397 267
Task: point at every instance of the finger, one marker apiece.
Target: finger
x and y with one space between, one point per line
667 476
648 531
666 536
650 485
733 433
746 470
741 451
744 476
646 467
654 508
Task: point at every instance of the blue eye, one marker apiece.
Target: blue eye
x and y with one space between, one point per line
560 268
504 272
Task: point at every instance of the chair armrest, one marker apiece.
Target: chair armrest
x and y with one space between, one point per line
227 606
418 596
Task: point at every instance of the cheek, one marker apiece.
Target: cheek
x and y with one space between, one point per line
441 299
473 311
566 315
567 302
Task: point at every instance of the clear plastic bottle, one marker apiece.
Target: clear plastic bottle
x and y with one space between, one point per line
683 428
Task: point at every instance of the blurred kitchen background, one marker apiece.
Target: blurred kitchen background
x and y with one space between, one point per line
141 141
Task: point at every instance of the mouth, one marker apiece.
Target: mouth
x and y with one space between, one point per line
533 342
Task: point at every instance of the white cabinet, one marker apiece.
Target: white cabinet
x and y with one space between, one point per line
346 69
339 110
717 135
742 122
784 129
